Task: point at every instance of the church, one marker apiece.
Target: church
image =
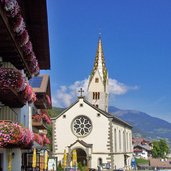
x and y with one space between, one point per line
99 138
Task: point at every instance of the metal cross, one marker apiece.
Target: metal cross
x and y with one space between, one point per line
81 92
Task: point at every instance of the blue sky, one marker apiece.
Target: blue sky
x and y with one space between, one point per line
136 36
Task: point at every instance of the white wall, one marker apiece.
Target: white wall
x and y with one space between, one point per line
99 135
98 87
64 134
124 143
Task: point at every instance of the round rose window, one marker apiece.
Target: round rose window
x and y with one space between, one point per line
81 126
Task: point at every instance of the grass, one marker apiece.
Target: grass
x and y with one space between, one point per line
142 161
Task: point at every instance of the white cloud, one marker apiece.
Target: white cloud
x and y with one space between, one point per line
117 88
66 95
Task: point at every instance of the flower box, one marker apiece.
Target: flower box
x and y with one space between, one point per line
39 124
41 139
43 101
41 120
14 89
12 98
14 135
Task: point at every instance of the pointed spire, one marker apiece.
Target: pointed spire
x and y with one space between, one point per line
99 63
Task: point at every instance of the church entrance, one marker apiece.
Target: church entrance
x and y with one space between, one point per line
81 156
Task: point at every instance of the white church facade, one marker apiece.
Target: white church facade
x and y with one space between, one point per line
99 138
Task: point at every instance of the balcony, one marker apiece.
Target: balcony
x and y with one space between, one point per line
41 86
39 124
42 101
12 98
14 135
14 89
40 121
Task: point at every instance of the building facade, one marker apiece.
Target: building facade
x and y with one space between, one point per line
99 138
24 50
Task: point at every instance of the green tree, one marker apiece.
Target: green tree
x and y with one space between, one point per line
156 149
52 113
164 148
49 135
160 148
55 111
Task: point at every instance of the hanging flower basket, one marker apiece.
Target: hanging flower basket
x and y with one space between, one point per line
42 116
46 118
11 78
28 94
18 24
46 140
14 135
33 65
29 56
11 7
37 117
28 48
38 138
14 84
41 139
23 38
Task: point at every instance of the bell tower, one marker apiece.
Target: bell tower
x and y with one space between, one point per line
98 81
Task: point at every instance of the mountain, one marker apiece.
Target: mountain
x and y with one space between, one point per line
144 124
55 111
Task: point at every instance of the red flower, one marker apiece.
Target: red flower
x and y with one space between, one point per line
14 135
30 56
11 78
28 94
46 140
18 24
38 138
28 48
11 7
23 38
37 117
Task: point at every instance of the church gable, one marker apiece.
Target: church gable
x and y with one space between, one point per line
65 111
81 143
81 121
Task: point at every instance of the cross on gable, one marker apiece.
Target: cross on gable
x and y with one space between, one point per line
81 92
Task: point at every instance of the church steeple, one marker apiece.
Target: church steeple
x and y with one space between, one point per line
99 63
98 81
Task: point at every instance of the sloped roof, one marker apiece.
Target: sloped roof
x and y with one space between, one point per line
108 115
82 143
146 146
160 163
99 63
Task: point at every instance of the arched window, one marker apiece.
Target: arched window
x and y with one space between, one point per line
124 143
96 95
119 140
96 80
100 161
115 139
